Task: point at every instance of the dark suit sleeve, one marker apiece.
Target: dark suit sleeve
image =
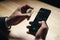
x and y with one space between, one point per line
4 32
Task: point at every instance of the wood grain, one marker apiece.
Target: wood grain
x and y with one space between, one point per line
19 31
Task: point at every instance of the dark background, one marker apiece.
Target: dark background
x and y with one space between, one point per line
55 3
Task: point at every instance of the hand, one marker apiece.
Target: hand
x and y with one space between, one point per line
18 16
42 31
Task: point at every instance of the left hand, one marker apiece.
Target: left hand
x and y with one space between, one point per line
42 31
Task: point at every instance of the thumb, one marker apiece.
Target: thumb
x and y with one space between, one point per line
40 22
26 16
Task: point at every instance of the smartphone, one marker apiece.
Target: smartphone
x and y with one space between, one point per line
43 14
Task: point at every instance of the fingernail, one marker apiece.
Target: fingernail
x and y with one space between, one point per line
39 22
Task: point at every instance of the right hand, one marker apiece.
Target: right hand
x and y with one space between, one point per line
42 31
18 16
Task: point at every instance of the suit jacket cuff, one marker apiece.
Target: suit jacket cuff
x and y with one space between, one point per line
3 25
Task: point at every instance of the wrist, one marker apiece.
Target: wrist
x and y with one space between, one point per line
7 23
39 38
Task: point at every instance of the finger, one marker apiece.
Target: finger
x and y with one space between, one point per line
28 32
30 22
29 11
42 22
28 6
26 15
24 8
28 27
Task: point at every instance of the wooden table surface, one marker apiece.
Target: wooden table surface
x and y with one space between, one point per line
19 31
